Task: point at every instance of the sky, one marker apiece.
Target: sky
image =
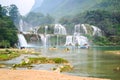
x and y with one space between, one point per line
24 6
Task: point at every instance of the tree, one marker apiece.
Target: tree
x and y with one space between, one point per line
0 11
14 14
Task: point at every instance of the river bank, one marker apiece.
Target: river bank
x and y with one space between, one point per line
80 56
38 75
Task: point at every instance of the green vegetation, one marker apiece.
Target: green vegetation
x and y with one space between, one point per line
8 31
62 64
40 60
8 54
43 60
63 68
59 8
104 14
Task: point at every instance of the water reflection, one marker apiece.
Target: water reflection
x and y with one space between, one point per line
91 62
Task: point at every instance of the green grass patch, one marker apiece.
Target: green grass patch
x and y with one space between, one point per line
8 54
44 60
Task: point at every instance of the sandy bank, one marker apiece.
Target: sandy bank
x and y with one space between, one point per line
38 75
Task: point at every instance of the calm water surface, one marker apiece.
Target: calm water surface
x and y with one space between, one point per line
93 62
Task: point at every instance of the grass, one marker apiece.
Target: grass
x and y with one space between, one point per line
41 60
7 54
44 60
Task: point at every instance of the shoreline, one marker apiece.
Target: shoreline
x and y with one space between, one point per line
39 75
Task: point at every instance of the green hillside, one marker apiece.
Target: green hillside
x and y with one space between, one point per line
104 14
109 5
64 7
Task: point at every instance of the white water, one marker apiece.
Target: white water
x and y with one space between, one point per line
78 38
84 28
21 25
22 41
96 31
45 40
59 29
69 41
77 29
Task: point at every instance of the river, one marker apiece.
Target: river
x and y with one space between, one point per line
92 62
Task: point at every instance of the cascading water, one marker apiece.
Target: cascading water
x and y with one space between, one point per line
84 28
78 39
44 40
59 33
96 31
59 29
21 25
22 41
77 29
69 41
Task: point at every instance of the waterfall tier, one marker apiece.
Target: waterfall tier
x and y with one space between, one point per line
59 29
22 41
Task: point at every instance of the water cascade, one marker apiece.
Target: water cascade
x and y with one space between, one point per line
45 38
21 25
96 31
59 36
77 30
69 41
59 29
78 38
84 28
22 41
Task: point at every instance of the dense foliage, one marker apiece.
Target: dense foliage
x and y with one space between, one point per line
8 31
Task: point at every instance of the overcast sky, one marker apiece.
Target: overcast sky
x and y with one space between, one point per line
24 6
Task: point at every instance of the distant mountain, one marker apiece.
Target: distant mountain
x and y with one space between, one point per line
63 7
59 8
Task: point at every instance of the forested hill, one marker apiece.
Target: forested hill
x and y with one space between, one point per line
109 5
64 7
71 7
104 14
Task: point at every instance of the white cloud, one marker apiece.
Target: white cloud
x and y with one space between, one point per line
24 6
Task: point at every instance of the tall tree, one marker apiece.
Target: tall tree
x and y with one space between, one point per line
14 13
0 11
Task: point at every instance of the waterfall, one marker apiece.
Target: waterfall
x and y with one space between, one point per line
84 28
77 29
21 25
69 41
59 29
96 31
78 39
45 40
22 41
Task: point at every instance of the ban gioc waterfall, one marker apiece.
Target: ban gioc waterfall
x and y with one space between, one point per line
58 36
